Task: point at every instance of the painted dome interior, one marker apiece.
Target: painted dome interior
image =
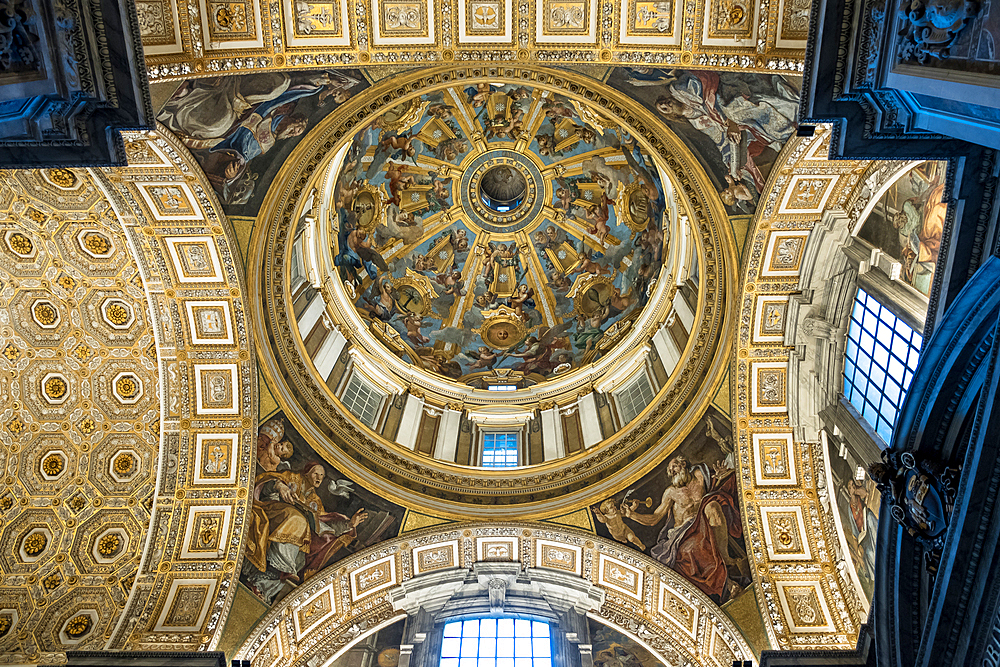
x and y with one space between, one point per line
256 375
499 233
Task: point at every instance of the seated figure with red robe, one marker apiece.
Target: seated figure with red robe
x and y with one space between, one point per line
701 533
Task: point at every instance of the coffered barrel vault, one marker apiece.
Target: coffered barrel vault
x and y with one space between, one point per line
128 408
595 576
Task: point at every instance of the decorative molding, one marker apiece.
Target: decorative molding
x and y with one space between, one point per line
616 586
806 600
764 35
189 262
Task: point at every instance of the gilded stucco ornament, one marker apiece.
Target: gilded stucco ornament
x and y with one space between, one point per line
388 36
89 550
625 590
810 596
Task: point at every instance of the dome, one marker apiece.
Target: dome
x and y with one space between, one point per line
408 317
507 233
498 252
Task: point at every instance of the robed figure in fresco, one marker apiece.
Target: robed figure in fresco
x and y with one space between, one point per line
701 527
227 122
862 532
748 124
291 531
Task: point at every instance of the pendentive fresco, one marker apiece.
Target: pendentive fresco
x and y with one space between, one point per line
305 514
241 128
685 513
736 123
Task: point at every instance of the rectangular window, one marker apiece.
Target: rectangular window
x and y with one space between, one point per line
633 397
363 401
502 387
496 642
499 450
881 354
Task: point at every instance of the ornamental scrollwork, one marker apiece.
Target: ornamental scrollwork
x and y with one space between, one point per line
931 27
920 495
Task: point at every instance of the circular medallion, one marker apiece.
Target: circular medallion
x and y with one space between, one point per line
53 464
35 543
123 464
79 626
502 328
502 191
388 657
109 545
20 244
54 387
45 314
64 178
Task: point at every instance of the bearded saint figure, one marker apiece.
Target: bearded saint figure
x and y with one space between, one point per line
700 515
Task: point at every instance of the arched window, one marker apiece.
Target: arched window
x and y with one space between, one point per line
496 642
879 360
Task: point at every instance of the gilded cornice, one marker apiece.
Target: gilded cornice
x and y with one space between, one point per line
441 488
192 38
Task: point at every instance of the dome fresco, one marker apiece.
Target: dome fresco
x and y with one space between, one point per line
500 227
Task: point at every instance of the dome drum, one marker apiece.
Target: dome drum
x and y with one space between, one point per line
416 274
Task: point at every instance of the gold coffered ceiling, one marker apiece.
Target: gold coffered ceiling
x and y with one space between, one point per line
126 400
80 418
207 36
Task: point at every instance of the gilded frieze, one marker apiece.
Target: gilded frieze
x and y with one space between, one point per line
808 598
640 596
203 37
207 414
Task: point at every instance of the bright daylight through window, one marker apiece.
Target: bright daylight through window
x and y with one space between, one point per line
496 642
882 353
499 450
